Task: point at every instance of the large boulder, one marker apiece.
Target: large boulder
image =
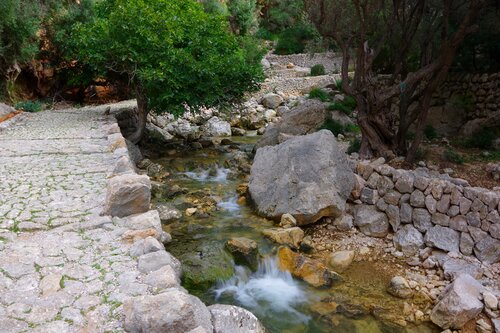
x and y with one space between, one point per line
172 311
233 319
307 177
127 194
304 119
216 127
459 303
371 221
272 101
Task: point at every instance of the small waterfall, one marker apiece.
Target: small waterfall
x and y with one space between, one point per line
267 292
230 205
220 175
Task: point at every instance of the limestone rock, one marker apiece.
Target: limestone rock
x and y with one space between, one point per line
163 278
233 319
459 303
244 251
171 311
272 101
443 238
156 260
168 213
288 221
127 194
370 221
304 119
488 250
145 246
399 287
340 260
289 236
216 127
408 239
307 177
301 267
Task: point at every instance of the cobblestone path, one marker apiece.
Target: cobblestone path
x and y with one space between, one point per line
62 266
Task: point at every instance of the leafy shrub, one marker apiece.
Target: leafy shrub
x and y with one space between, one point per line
215 7
430 132
350 102
317 70
263 33
482 139
453 156
354 146
243 15
29 106
333 126
294 39
283 14
352 128
337 106
319 94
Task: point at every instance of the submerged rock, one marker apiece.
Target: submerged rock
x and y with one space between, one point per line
459 303
313 272
290 236
244 251
307 177
233 319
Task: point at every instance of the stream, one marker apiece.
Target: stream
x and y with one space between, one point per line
282 303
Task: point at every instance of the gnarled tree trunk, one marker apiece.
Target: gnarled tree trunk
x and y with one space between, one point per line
142 115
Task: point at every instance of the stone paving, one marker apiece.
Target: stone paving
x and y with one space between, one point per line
63 268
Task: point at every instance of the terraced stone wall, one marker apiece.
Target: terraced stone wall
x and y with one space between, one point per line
446 212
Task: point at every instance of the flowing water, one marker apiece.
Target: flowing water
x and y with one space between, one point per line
281 302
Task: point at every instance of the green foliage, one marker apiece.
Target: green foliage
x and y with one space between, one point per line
253 49
430 132
243 15
283 14
482 139
173 52
317 70
215 7
29 106
294 40
453 156
265 34
338 84
319 94
354 146
337 128
347 106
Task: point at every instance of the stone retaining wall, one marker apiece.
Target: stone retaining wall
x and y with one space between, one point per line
423 207
330 60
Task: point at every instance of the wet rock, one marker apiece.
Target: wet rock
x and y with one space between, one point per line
216 127
459 303
339 261
443 238
370 221
399 287
303 119
168 214
235 131
244 251
233 319
487 250
191 211
289 236
408 239
127 194
272 101
171 311
301 267
307 177
288 221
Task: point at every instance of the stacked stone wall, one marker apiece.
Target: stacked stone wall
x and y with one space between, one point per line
446 212
331 61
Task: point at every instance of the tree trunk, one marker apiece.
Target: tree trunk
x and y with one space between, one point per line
142 115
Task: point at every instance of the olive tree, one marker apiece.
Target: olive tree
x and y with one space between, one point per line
175 56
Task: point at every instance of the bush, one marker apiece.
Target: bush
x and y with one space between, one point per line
263 33
354 146
482 139
346 106
453 156
215 7
338 85
430 132
29 106
333 126
319 94
350 102
318 70
243 15
294 39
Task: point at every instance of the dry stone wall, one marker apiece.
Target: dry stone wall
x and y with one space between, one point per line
427 209
331 61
